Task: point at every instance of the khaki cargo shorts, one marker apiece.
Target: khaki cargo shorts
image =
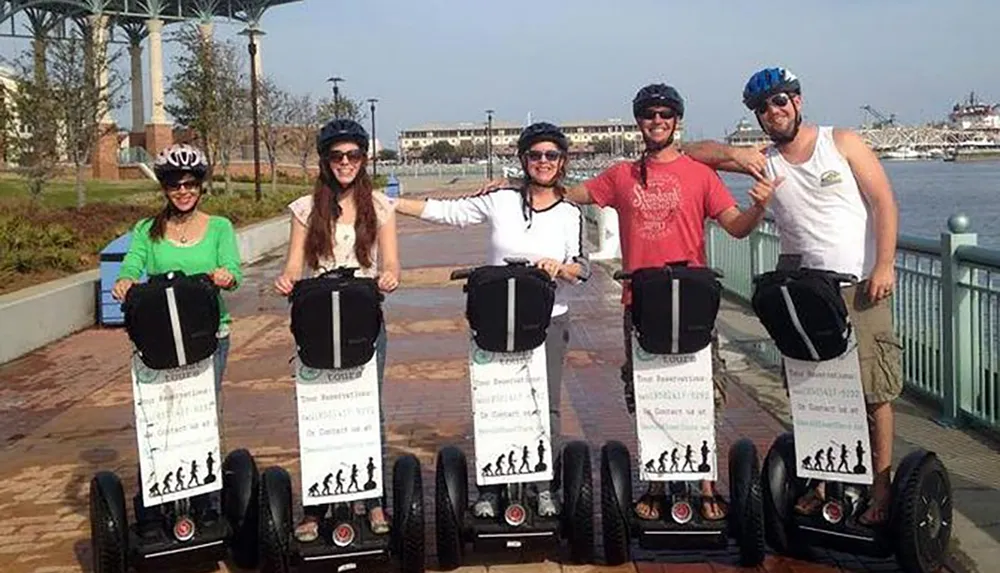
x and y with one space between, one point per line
719 376
879 351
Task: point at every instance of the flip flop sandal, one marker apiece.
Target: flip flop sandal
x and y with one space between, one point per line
307 530
876 511
377 521
654 507
809 503
707 501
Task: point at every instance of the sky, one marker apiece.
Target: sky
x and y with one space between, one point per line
568 60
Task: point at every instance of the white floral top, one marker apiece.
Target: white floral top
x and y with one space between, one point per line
343 235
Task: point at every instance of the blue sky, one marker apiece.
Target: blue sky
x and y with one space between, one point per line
448 60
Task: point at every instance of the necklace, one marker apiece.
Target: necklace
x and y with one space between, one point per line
182 231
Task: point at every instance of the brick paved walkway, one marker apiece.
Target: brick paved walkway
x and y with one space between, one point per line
65 410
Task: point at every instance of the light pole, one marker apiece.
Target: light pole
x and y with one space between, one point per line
252 34
336 95
489 144
372 101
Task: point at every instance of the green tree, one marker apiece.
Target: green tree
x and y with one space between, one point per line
388 155
439 152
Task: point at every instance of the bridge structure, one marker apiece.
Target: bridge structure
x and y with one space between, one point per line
132 23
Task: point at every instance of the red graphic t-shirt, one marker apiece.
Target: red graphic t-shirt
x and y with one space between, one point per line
665 221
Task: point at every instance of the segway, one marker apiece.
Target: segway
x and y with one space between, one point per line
673 312
335 320
806 316
508 308
172 321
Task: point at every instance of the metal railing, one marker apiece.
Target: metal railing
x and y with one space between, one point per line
946 311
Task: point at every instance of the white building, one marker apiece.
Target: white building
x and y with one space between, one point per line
469 138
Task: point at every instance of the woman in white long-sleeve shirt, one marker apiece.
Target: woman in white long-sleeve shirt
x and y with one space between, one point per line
535 223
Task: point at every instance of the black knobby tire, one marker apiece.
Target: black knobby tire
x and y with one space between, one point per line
578 502
780 490
240 504
747 511
922 542
408 513
615 465
275 511
448 513
108 526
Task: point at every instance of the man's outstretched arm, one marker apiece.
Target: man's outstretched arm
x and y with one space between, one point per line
719 156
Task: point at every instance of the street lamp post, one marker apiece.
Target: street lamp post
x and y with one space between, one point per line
372 101
489 144
336 95
252 34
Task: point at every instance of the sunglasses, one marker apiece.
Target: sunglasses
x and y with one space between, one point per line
174 188
777 100
551 155
354 155
650 114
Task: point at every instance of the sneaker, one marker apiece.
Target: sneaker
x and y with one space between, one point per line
307 530
547 504
486 506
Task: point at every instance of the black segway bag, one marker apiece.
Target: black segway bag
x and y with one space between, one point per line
674 308
172 319
336 319
804 313
509 307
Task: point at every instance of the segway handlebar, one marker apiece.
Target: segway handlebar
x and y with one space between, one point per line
840 278
459 274
622 275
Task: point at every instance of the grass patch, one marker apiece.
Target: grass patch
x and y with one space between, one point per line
46 240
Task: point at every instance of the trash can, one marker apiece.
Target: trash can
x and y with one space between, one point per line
393 188
109 311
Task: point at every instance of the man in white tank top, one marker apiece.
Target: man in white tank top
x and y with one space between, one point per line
834 206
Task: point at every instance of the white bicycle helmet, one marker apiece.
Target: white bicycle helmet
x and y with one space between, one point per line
180 158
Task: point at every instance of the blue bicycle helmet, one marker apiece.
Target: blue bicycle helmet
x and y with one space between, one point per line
658 94
768 82
541 131
339 130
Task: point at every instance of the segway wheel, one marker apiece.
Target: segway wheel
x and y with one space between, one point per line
451 497
616 502
408 513
578 502
746 518
275 511
240 506
780 489
108 524
923 514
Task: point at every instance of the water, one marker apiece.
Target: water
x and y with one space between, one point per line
928 192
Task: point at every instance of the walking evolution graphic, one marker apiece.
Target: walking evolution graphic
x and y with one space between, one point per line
659 465
176 480
348 473
828 460
508 464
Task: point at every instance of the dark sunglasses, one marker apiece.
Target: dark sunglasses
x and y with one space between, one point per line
354 155
551 155
777 100
650 114
183 186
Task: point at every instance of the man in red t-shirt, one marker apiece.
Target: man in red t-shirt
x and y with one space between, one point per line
662 202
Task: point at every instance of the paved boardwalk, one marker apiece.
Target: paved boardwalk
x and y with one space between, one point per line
67 412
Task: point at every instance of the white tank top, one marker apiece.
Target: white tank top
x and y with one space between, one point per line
820 211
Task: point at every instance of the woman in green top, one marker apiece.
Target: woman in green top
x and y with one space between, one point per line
183 238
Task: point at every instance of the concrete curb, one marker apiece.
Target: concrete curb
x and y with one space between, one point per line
38 315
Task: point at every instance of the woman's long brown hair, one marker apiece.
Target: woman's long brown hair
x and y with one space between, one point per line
319 232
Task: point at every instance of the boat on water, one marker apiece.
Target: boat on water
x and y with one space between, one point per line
974 115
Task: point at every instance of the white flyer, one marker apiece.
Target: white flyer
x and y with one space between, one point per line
177 429
510 404
829 419
674 415
340 438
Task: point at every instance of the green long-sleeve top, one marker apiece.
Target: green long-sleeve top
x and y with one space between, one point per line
217 248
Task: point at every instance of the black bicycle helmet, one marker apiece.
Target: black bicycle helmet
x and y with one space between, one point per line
656 95
768 82
178 159
339 130
541 131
